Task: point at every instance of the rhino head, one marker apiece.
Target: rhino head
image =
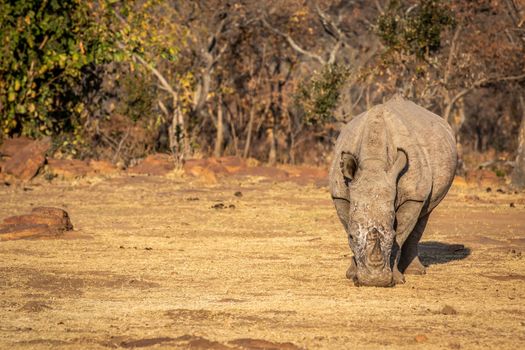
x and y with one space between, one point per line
372 188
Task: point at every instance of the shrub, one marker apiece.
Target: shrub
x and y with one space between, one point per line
45 50
415 30
320 95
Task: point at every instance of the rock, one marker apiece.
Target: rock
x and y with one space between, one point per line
36 219
209 169
222 206
43 221
304 174
238 194
448 310
216 166
12 232
57 212
68 168
232 164
203 173
27 160
102 167
251 162
420 338
10 147
154 164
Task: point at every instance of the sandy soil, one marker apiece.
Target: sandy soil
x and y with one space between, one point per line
158 262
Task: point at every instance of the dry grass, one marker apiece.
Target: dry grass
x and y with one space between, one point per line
152 264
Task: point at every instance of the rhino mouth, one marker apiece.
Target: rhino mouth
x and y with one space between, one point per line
365 275
371 266
381 277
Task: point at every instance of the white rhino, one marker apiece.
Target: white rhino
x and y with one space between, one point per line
392 166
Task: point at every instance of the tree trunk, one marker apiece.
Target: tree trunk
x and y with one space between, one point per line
272 157
176 131
518 175
249 133
220 130
232 128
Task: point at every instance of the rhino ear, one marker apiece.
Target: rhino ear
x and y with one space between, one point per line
399 164
348 165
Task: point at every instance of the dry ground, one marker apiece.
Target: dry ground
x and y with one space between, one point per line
153 265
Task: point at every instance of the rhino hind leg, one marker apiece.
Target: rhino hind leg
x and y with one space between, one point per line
409 262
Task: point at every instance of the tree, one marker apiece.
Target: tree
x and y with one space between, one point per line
461 47
46 50
516 12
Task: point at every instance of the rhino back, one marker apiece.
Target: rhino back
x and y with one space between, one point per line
429 140
424 136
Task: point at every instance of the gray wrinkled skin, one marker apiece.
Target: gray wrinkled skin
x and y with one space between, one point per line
392 166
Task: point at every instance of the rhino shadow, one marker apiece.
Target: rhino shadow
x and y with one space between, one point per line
432 252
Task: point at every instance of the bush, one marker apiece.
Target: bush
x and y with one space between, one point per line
46 48
320 95
415 30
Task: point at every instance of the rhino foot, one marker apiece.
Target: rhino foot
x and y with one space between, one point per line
397 277
415 267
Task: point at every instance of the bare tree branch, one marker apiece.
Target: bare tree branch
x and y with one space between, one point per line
293 44
453 46
210 56
328 24
379 7
480 83
163 108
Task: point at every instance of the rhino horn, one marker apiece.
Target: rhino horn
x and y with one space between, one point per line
375 257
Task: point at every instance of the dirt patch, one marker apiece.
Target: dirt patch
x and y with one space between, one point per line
37 343
60 284
35 306
510 277
518 241
142 343
268 274
201 343
260 344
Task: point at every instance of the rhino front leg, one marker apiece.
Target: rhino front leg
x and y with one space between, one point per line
409 262
407 217
342 206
